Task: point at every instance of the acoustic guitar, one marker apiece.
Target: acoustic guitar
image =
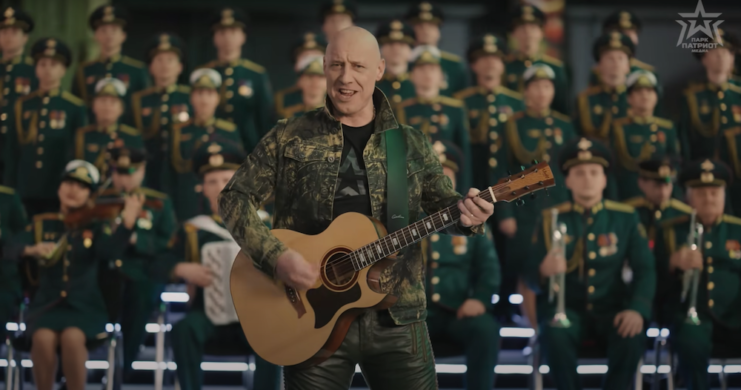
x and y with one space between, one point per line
289 327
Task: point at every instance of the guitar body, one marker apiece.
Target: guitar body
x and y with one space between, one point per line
288 327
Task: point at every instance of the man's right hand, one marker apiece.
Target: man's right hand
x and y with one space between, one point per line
552 264
194 273
295 271
508 227
685 259
41 249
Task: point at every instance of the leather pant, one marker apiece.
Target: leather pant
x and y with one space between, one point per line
391 357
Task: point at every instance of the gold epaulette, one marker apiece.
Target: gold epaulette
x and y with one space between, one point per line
144 92
192 253
732 219
452 102
664 123
464 93
225 125
564 207
280 95
7 190
28 60
510 93
132 62
210 64
184 89
72 99
85 64
681 206
617 206
449 56
626 120
560 116
406 102
252 66
640 64
734 88
288 112
695 87
48 217
675 220
552 60
593 90
153 193
129 130
636 202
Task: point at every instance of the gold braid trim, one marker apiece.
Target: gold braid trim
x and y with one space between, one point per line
192 254
25 138
629 162
180 164
733 150
576 259
695 117
523 155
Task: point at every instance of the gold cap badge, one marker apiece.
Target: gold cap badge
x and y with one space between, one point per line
214 148
216 160
625 22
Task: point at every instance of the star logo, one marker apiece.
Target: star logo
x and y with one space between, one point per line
708 27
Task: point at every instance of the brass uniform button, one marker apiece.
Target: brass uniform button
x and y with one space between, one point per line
63 294
42 124
723 107
396 98
592 255
711 303
65 278
615 110
40 150
710 269
493 122
653 138
590 220
229 81
165 97
658 214
710 260
435 237
396 85
493 148
229 94
44 111
591 289
590 236
547 158
434 265
491 98
119 263
720 95
493 162
592 272
494 135
708 244
711 285
164 121
528 63
228 71
435 255
39 164
435 279
492 109
435 297
724 120
45 100
548 132
164 108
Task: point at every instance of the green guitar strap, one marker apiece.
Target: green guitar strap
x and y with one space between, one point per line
397 199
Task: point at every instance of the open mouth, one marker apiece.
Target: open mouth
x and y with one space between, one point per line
346 94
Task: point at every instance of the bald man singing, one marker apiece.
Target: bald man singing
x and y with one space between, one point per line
331 161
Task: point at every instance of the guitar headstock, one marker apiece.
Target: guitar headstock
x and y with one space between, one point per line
536 178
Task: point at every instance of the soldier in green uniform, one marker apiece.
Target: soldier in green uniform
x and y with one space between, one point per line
709 107
309 45
396 39
68 310
13 221
155 109
154 228
440 117
526 29
640 135
718 319
336 15
656 205
17 74
600 237
462 277
189 259
189 135
426 19
107 23
92 142
313 86
598 105
246 95
41 138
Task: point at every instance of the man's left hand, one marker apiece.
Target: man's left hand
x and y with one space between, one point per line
474 210
471 308
629 323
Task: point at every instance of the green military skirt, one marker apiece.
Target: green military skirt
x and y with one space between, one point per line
63 315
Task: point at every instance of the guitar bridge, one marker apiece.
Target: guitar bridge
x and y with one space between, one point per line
296 302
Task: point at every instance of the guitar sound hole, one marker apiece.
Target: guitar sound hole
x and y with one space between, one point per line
338 270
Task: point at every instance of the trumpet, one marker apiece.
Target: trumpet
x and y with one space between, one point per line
557 283
691 278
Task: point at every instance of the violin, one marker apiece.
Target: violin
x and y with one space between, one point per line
104 209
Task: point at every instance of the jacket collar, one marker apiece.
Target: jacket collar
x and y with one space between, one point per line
594 210
384 120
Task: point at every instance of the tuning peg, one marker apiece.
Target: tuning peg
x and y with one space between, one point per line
520 202
522 167
535 162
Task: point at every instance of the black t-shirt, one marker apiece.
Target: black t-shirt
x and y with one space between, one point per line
352 182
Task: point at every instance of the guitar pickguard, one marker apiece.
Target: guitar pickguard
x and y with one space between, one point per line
326 302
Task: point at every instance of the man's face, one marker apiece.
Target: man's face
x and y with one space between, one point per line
427 76
427 33
352 72
204 100
718 60
396 52
110 36
334 23
107 109
488 67
313 86
643 98
539 94
229 38
613 65
73 194
707 200
166 65
214 182
656 192
306 54
450 174
12 39
528 37
128 182
586 181
49 70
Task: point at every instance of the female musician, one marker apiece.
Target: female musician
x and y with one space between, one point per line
68 309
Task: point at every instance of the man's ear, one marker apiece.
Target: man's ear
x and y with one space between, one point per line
381 69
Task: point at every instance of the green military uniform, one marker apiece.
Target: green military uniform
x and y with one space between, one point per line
598 105
287 97
636 139
303 179
396 87
460 268
41 138
197 329
310 66
454 70
517 63
597 243
186 138
131 72
708 109
718 292
13 221
730 155
441 118
68 291
246 95
17 74
155 109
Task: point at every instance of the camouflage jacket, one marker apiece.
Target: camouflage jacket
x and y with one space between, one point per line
298 162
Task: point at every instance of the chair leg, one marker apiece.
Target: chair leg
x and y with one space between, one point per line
9 371
722 376
111 372
536 378
656 377
639 376
160 351
177 383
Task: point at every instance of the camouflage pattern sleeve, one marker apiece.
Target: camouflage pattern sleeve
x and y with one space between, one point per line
252 184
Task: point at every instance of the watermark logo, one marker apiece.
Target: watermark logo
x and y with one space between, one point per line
699 21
